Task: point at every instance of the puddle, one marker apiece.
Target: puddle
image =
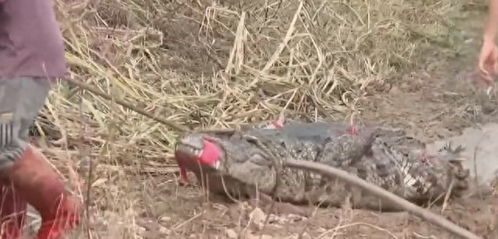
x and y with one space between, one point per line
481 150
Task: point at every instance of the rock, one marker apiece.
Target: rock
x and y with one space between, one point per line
257 216
230 233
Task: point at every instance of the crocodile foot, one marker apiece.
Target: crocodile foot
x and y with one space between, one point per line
265 203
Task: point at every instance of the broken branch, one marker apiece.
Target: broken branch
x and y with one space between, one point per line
87 87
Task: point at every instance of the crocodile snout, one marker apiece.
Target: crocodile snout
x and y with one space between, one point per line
194 151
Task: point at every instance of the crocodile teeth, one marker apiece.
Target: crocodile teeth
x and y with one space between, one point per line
217 164
197 152
189 149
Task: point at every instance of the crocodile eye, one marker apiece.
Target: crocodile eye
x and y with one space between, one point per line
258 159
282 143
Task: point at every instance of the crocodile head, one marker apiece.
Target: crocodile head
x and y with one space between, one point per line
222 162
196 151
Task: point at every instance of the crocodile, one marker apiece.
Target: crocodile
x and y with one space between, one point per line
247 162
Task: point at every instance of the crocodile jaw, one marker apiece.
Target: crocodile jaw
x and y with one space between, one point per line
193 151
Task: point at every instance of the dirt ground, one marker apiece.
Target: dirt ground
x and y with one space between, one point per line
435 101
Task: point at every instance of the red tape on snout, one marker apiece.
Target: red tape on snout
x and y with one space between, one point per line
210 153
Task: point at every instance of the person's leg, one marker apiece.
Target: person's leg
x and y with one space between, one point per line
13 207
26 168
39 185
13 210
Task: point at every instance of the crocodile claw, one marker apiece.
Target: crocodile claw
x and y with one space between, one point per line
452 154
448 148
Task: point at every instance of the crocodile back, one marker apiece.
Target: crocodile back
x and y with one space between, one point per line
385 157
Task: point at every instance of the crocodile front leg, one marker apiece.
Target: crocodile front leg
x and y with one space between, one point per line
268 205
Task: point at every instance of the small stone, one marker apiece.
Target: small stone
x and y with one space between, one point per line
165 219
164 230
306 236
230 233
258 217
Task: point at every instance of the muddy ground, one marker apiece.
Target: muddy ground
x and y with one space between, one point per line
434 101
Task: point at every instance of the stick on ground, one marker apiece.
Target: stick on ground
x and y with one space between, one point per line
174 126
87 87
382 193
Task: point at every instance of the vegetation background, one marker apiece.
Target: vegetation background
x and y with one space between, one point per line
208 63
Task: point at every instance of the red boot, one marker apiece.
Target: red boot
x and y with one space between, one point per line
39 185
13 211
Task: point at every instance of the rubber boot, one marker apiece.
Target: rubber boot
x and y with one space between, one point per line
13 210
36 182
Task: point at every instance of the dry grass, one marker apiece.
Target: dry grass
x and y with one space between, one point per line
210 64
